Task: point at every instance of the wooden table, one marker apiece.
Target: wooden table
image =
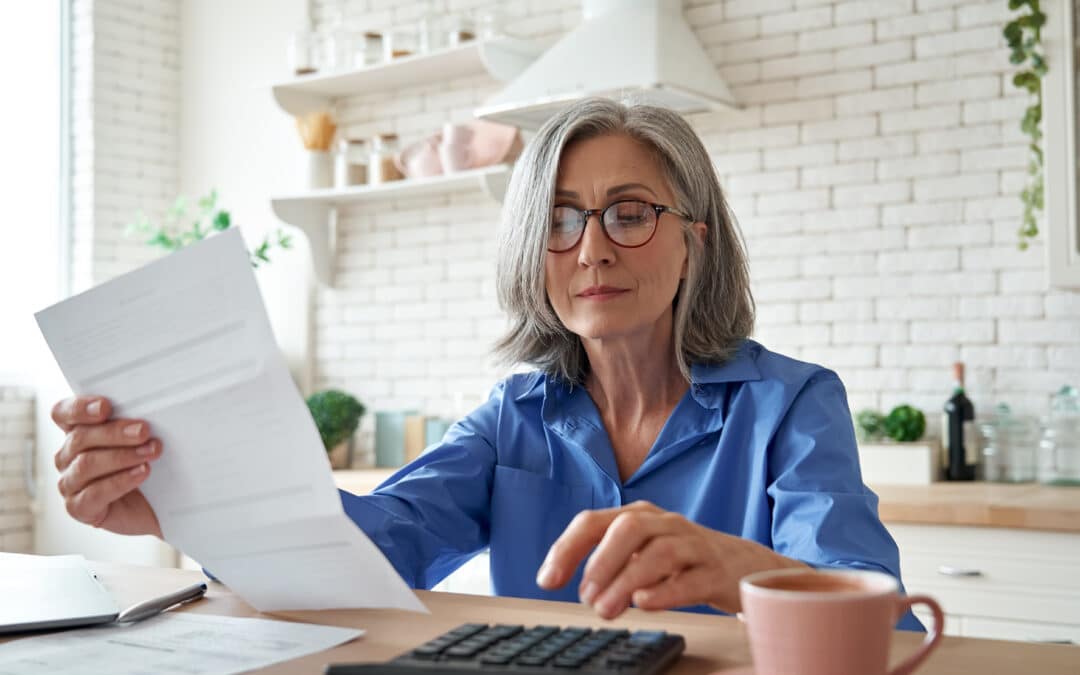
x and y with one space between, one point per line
713 642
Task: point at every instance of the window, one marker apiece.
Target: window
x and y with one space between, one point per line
31 179
1061 101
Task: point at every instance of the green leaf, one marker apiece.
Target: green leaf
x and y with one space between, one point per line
1012 32
208 202
222 221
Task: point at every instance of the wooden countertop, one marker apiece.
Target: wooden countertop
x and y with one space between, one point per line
1027 506
713 643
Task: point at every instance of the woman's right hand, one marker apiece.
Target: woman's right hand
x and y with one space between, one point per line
102 463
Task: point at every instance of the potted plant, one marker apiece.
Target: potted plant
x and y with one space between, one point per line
337 415
891 449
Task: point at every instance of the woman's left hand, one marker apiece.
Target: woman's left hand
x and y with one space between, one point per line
654 559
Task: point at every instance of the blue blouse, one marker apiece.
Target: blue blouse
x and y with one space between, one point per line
761 447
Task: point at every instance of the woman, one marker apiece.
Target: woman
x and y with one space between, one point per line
652 431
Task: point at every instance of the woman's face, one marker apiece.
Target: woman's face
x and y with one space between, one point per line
598 289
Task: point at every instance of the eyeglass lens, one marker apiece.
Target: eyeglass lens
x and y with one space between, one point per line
627 223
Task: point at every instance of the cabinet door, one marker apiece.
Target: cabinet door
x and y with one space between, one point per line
1020 581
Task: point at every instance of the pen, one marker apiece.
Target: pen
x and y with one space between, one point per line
149 608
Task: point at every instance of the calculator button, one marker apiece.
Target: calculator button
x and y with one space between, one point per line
647 638
496 659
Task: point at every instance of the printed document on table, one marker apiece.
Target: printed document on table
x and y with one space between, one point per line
174 642
243 485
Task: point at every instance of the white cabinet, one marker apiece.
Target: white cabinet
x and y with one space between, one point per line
994 582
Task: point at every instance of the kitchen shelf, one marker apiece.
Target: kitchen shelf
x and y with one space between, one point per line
502 57
315 211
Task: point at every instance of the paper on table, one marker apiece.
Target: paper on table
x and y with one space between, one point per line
196 644
244 484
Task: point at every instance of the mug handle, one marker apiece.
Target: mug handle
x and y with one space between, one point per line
932 638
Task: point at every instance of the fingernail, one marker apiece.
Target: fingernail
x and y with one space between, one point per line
138 470
546 575
603 607
588 592
133 430
94 408
145 449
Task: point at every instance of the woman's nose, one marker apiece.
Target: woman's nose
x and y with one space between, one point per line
596 248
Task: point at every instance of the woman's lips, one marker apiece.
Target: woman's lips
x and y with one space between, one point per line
601 293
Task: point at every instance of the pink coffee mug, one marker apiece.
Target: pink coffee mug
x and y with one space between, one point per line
829 622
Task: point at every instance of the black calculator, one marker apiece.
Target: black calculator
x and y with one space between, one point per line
538 650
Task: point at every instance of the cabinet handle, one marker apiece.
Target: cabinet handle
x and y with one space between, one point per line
949 571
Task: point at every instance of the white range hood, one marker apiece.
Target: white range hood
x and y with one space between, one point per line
640 48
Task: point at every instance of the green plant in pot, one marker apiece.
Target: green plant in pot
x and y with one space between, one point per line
903 424
337 415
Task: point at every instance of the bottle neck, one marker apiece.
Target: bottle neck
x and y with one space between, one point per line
958 387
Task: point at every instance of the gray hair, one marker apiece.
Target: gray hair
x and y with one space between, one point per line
714 309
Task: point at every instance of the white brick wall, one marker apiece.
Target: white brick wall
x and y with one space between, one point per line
125 92
16 432
873 168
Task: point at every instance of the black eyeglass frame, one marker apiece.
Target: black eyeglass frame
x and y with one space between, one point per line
589 213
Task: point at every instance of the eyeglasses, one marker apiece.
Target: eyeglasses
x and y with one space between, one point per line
628 223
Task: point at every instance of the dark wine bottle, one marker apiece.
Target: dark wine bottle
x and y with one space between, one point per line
958 455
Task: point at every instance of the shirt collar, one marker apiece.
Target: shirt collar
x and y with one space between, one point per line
740 367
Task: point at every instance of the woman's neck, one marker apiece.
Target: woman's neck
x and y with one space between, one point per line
628 382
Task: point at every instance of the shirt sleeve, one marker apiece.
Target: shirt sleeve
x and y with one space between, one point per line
823 514
433 515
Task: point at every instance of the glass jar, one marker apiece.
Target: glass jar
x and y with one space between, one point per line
368 49
382 167
400 42
459 30
431 33
350 163
1059 449
303 53
337 49
1009 447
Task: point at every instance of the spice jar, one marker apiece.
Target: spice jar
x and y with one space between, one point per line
302 53
400 42
381 168
350 163
368 49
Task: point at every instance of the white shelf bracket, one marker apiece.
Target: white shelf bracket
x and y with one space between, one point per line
504 59
319 224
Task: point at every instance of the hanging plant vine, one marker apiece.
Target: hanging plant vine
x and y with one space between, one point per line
1025 43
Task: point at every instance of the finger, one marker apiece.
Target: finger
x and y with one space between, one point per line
689 587
579 537
664 557
114 433
91 505
91 465
80 410
583 533
629 533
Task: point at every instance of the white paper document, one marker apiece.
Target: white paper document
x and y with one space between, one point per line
194 644
243 485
